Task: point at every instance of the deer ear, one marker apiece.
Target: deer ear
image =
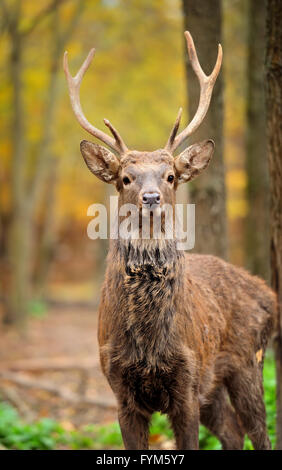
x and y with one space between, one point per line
193 160
100 161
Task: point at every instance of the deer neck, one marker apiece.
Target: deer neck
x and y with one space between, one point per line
156 255
152 278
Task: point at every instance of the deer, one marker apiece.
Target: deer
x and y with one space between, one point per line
179 333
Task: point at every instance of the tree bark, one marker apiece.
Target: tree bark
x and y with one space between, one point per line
47 240
203 19
274 132
257 239
26 200
16 297
44 168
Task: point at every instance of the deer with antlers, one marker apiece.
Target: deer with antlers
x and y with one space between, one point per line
179 333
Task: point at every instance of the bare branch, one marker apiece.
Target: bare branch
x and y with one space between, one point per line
69 30
10 17
5 20
11 395
52 363
41 16
62 392
59 39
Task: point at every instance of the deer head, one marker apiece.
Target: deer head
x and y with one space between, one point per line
147 178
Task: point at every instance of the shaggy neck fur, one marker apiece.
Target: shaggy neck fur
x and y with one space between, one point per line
152 274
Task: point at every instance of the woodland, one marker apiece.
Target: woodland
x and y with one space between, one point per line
52 392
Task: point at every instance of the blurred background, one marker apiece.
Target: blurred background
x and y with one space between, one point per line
52 393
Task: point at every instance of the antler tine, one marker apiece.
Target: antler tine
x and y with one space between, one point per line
206 85
116 135
174 131
74 83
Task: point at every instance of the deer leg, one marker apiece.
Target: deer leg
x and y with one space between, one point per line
223 422
134 429
245 388
185 424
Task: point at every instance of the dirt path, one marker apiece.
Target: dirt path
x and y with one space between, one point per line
65 336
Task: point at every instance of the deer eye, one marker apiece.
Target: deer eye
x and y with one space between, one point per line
170 178
126 180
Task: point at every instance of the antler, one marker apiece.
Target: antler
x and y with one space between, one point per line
74 83
206 85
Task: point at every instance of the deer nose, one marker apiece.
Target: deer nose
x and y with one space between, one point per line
151 198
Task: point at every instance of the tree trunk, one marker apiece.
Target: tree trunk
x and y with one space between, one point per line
17 295
45 160
257 240
274 132
203 19
26 200
47 240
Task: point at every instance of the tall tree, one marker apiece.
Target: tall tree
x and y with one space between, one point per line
26 192
257 223
204 21
274 131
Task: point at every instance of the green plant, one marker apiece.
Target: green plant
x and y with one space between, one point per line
14 434
37 308
48 434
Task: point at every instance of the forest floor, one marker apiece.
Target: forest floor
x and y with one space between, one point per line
58 350
52 371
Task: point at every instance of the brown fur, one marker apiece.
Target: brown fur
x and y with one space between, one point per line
179 333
